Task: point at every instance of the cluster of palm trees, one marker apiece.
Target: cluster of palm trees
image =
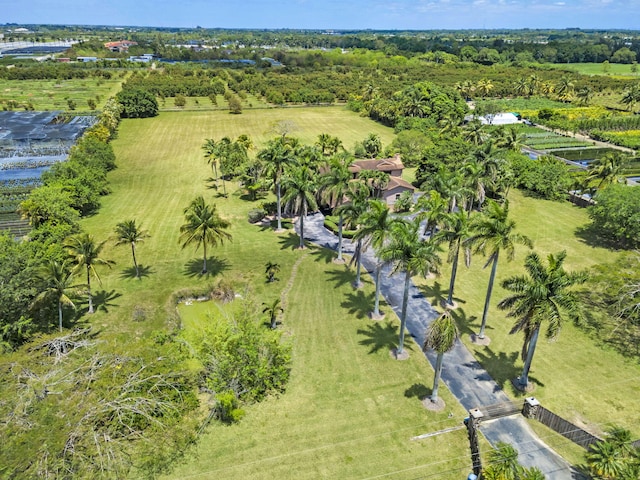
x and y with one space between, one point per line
84 255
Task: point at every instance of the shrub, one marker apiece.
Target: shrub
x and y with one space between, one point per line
256 215
269 207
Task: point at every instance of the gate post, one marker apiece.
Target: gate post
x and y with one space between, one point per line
530 407
472 422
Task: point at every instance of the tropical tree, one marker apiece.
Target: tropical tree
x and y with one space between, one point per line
441 336
544 294
57 278
352 211
272 310
474 133
502 464
472 173
584 95
456 230
334 186
85 252
631 96
300 186
270 270
431 208
607 169
279 154
510 139
450 186
375 224
128 232
484 87
408 253
494 232
204 227
615 457
565 89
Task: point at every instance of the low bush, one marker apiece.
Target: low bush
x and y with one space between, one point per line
256 215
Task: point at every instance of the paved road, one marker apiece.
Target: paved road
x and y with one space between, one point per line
463 375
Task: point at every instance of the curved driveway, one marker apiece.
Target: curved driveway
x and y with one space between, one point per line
464 376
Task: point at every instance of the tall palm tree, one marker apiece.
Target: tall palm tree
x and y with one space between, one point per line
203 226
543 295
484 87
431 207
334 186
210 148
58 281
408 253
565 89
85 253
472 173
273 309
130 233
456 230
300 187
510 139
441 336
352 211
375 223
450 186
502 463
279 154
584 95
495 233
474 132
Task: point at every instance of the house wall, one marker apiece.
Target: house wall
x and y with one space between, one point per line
389 196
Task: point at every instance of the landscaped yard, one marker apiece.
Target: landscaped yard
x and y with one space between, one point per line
350 411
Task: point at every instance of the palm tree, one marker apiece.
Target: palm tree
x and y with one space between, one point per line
584 95
543 295
510 139
130 233
408 253
607 170
565 89
203 226
441 336
85 253
432 208
631 96
484 87
211 155
456 230
375 223
58 280
334 186
277 156
300 187
273 309
502 463
521 87
473 174
352 211
449 185
474 133
494 233
270 270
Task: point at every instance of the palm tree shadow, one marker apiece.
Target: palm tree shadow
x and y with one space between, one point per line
290 241
341 276
130 272
215 265
463 322
358 303
436 294
417 390
502 367
324 254
379 336
102 300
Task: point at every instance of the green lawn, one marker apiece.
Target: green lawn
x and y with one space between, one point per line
349 410
612 69
585 384
53 94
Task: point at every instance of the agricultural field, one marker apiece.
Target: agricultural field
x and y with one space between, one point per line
55 94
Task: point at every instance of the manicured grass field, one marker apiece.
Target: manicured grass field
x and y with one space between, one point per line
612 69
53 94
350 410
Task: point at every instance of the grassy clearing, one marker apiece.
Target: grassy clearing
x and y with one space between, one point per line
611 69
53 94
350 411
585 384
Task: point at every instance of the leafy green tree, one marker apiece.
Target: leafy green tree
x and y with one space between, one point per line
300 186
85 253
58 280
408 253
456 230
372 145
616 214
494 232
272 310
441 336
544 294
137 103
375 224
128 232
49 204
203 226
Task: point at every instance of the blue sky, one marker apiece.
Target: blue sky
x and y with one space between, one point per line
331 14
